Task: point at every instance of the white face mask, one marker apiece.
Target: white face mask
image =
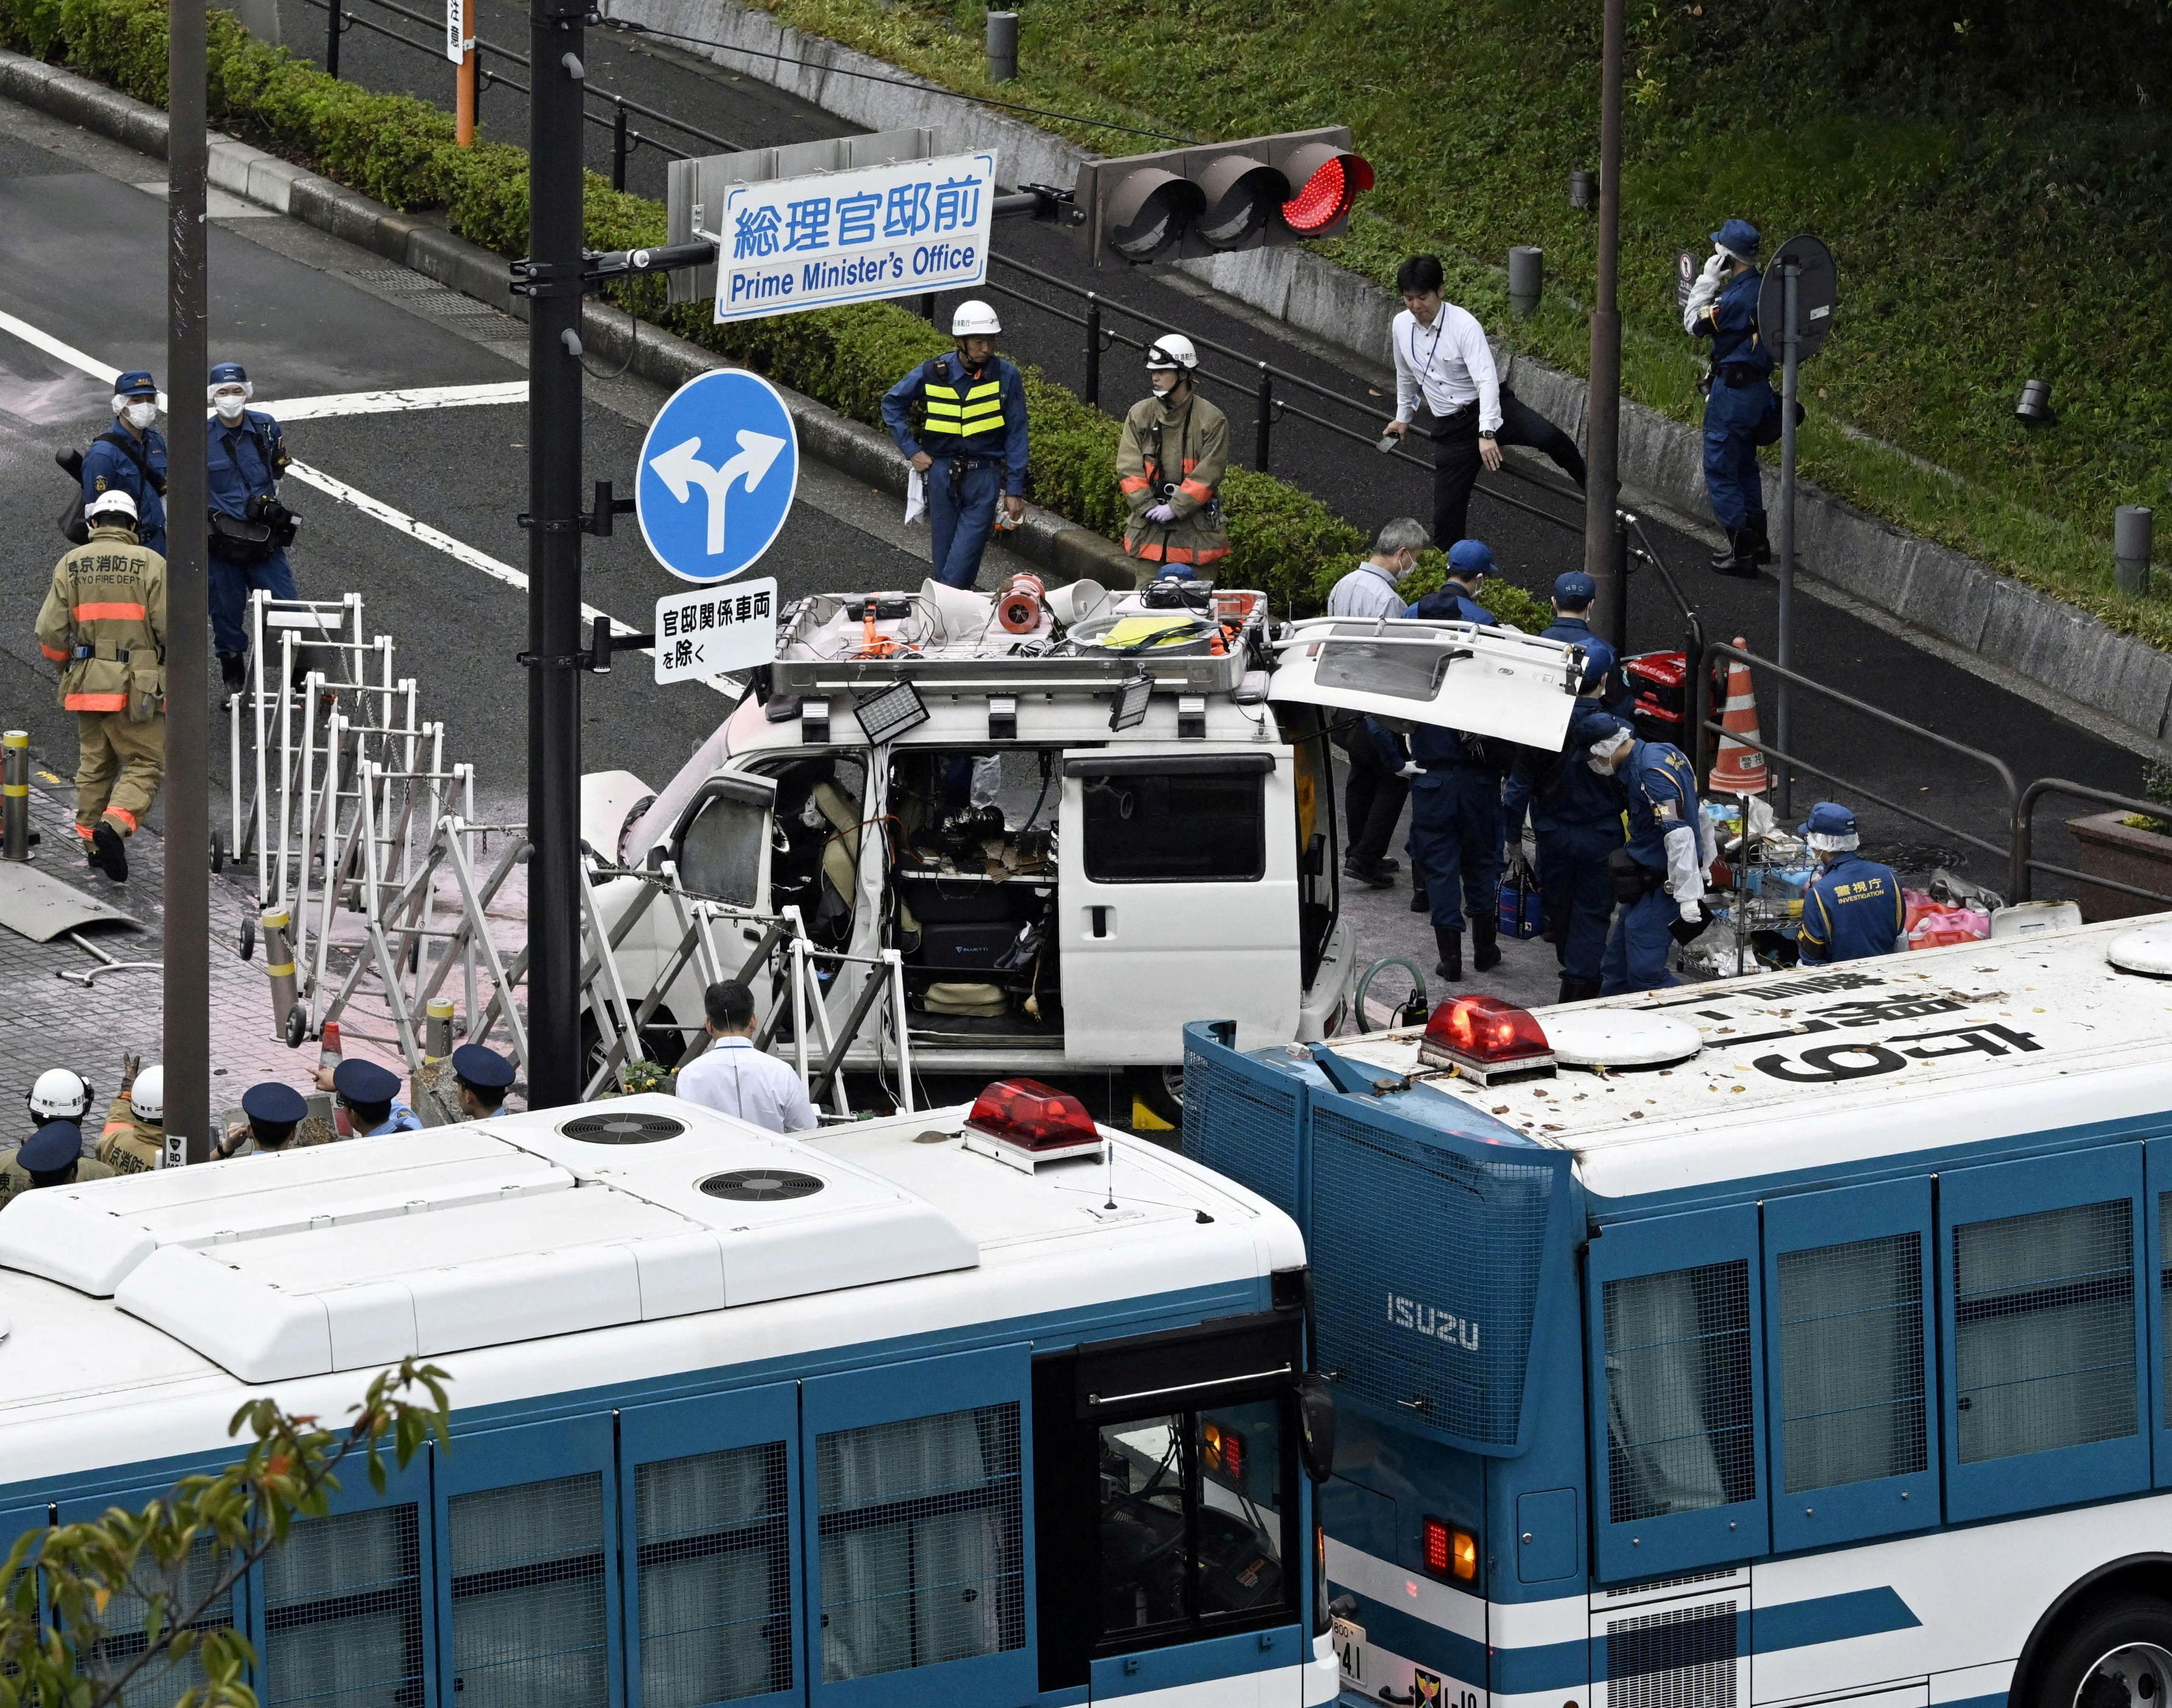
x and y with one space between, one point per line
140 415
229 405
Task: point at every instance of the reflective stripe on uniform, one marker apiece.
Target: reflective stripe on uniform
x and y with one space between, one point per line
1196 491
1155 552
126 817
1130 483
59 655
96 702
979 410
113 612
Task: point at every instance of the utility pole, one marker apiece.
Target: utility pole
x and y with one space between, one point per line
554 271
187 1042
1603 555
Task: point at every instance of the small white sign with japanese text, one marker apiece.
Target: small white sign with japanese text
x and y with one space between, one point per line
902 229
456 30
716 629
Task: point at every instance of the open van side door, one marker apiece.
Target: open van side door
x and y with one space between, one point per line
1492 682
1177 894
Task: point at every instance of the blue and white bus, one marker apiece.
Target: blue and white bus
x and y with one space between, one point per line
1791 1340
995 1409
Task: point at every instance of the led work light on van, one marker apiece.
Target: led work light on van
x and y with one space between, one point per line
1025 1123
1484 1039
1449 1553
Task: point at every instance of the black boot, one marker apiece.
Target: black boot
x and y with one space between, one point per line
109 852
233 671
1761 540
1724 559
1485 947
1450 944
1420 901
1740 558
1578 990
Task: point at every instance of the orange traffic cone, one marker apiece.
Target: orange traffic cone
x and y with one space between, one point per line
1736 769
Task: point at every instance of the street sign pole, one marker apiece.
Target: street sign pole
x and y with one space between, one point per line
1791 347
460 49
1603 557
187 951
555 38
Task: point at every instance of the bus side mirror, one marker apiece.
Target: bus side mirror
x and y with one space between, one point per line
1315 1425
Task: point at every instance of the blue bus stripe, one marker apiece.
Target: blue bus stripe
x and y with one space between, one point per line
1993 1701
1829 1618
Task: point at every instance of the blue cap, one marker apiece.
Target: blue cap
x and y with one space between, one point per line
364 1081
486 1069
1590 727
137 379
51 1149
1575 589
274 1104
1828 818
229 373
1738 237
1470 557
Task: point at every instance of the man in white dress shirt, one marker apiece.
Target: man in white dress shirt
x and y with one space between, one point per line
735 1078
1442 360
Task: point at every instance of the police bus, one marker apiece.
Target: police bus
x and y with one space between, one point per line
985 1407
1780 1340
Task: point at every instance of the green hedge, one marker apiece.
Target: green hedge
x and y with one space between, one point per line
402 151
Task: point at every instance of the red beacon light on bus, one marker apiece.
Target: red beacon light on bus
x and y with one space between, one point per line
1484 1039
1025 1124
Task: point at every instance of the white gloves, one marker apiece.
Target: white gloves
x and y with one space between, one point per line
1410 769
1162 513
1693 914
1701 293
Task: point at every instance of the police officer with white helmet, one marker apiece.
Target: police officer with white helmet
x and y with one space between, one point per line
972 442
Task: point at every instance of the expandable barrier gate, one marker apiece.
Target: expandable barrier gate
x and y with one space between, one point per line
352 810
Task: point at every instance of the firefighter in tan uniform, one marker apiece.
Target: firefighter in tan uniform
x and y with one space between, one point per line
134 1135
104 624
1169 462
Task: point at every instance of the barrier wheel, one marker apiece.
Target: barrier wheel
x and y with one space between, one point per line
245 947
297 1026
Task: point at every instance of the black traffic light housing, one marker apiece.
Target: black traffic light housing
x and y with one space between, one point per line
1218 197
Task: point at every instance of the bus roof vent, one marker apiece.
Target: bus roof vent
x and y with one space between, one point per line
1617 1038
760 1185
2147 950
632 1129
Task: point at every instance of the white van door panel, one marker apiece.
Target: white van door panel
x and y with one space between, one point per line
1177 896
1490 682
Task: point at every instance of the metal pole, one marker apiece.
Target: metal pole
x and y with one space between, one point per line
464 82
1617 625
555 38
1092 351
335 27
618 143
1263 406
187 934
1791 346
15 795
1602 430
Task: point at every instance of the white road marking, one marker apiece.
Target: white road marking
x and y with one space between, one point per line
355 495
344 403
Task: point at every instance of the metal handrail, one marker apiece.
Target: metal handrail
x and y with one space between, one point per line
2017 875
2025 835
1693 632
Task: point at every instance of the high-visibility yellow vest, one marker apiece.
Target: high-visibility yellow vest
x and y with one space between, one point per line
979 410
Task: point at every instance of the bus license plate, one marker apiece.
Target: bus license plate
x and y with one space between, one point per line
1350 1651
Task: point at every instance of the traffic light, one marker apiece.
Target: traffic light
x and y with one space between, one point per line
1255 194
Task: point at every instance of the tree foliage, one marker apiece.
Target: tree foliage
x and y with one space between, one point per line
91 1610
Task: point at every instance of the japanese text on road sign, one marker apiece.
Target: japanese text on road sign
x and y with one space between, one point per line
703 634
456 30
910 227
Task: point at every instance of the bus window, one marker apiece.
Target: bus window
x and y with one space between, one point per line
1142 1522
1852 1363
528 1626
343 1610
1679 1392
715 1577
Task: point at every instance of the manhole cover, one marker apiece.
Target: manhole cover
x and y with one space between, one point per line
760 1185
622 1130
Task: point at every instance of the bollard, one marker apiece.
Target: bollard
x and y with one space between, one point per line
279 965
15 795
2131 526
1526 278
618 142
2036 405
438 1030
1583 187
1002 46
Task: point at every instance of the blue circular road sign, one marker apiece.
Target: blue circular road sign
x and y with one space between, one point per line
718 470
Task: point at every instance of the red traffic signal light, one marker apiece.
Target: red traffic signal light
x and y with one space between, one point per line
1219 197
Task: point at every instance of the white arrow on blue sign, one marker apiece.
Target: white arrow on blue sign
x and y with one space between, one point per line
718 470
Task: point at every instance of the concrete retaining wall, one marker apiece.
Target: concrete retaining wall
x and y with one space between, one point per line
2068 653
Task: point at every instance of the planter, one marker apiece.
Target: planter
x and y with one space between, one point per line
2112 848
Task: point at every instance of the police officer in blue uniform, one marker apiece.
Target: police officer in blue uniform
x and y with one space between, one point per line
483 1076
251 528
972 445
1658 876
370 1094
1574 593
1454 840
271 1113
1853 907
1470 562
131 457
1741 410
1576 819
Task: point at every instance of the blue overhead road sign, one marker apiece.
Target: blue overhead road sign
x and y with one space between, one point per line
718 470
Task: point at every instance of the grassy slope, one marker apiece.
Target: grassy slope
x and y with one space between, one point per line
1993 178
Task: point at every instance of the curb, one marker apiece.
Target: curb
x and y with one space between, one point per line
1065 550
2071 656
